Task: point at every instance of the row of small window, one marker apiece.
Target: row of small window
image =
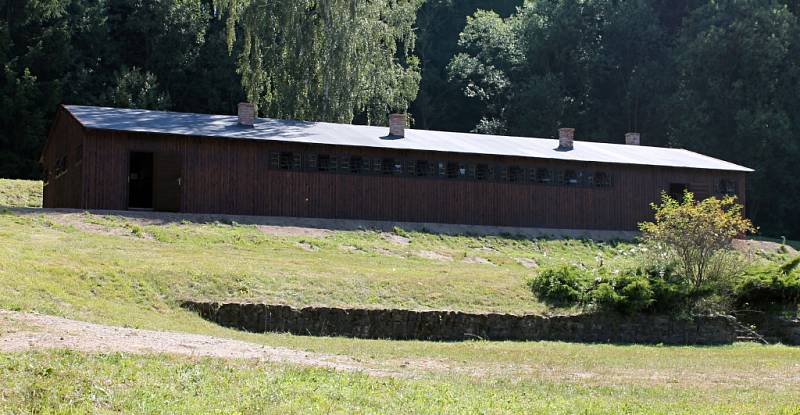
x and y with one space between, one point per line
439 169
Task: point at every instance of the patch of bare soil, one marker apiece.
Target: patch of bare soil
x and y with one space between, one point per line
750 245
527 262
28 331
307 247
293 231
396 239
434 255
79 222
477 260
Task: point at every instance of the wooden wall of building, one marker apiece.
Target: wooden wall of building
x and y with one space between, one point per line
63 183
233 176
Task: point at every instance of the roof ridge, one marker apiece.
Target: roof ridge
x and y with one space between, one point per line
339 134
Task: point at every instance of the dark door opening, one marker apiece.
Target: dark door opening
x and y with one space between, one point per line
140 181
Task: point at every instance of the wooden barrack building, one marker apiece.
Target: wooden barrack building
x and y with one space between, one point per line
111 158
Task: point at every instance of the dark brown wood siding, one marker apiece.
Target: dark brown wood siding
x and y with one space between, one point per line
233 177
62 163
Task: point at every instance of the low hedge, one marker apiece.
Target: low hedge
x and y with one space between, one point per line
628 291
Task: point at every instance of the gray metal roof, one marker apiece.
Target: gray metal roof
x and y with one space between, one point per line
227 126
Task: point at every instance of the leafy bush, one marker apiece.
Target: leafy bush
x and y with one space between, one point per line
769 287
564 286
626 293
647 289
697 236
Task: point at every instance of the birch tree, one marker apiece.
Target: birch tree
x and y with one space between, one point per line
325 59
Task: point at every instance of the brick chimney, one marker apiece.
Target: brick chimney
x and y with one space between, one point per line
566 137
247 114
632 139
397 125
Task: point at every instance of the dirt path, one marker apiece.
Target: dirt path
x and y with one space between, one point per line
28 331
20 332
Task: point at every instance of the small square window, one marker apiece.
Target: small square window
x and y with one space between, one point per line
516 174
421 168
602 179
274 160
356 165
571 178
544 176
482 172
388 166
343 164
397 169
310 162
285 161
453 170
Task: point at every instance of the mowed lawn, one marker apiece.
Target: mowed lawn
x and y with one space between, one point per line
131 272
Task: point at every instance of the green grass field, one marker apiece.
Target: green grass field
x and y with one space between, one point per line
20 193
73 383
128 272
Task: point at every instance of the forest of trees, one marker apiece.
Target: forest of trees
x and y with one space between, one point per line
717 76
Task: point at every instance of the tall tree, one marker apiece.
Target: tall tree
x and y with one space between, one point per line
593 65
325 59
738 98
440 105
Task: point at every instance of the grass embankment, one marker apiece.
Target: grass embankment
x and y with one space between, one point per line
20 193
128 272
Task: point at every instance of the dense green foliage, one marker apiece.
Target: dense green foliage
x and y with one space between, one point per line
440 104
563 286
688 264
770 288
326 59
697 236
649 289
720 77
170 54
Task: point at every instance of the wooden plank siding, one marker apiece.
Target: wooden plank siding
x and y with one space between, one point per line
222 175
64 189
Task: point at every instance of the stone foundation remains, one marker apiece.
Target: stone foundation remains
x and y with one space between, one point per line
456 326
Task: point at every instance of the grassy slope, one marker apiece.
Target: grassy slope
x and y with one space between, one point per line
20 193
62 267
114 271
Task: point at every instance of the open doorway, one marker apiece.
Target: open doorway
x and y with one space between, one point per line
154 181
140 181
